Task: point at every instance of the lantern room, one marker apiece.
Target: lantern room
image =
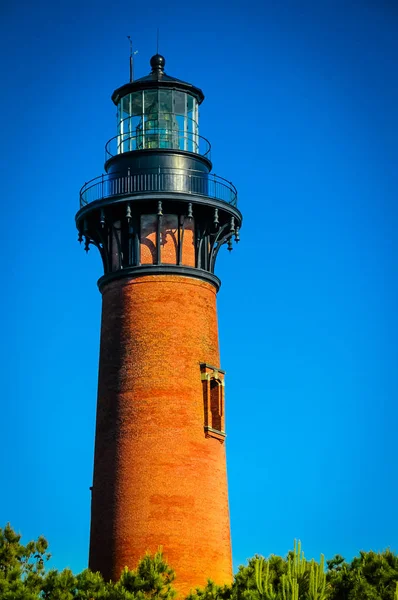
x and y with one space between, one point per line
157 112
158 207
162 118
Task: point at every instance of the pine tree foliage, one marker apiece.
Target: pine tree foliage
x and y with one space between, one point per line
22 568
23 576
211 592
152 579
369 576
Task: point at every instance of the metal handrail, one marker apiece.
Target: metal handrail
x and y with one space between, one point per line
166 180
174 139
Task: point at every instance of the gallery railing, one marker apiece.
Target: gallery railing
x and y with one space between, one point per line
167 180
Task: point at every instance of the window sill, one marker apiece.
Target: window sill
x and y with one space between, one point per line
219 435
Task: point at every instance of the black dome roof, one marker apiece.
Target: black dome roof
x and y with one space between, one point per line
157 78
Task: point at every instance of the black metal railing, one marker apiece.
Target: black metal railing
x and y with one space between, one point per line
166 180
163 138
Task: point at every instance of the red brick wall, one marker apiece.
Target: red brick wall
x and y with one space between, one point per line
157 479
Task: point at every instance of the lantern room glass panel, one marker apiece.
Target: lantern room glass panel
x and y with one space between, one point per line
125 124
136 117
180 111
136 104
149 129
162 118
192 126
167 122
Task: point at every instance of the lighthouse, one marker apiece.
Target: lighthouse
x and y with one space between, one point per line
158 217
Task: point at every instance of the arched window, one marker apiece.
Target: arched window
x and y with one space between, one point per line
213 401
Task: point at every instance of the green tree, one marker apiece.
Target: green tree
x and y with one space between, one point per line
23 576
275 578
59 585
369 576
152 579
91 586
22 568
299 580
259 577
211 591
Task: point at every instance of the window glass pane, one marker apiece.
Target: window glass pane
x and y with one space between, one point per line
180 103
119 127
136 132
136 103
126 106
190 104
165 101
180 109
167 122
151 138
151 102
124 127
195 128
181 132
124 123
190 124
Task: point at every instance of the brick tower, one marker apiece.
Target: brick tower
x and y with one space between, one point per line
158 218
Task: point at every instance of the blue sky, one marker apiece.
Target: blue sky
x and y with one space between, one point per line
301 112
